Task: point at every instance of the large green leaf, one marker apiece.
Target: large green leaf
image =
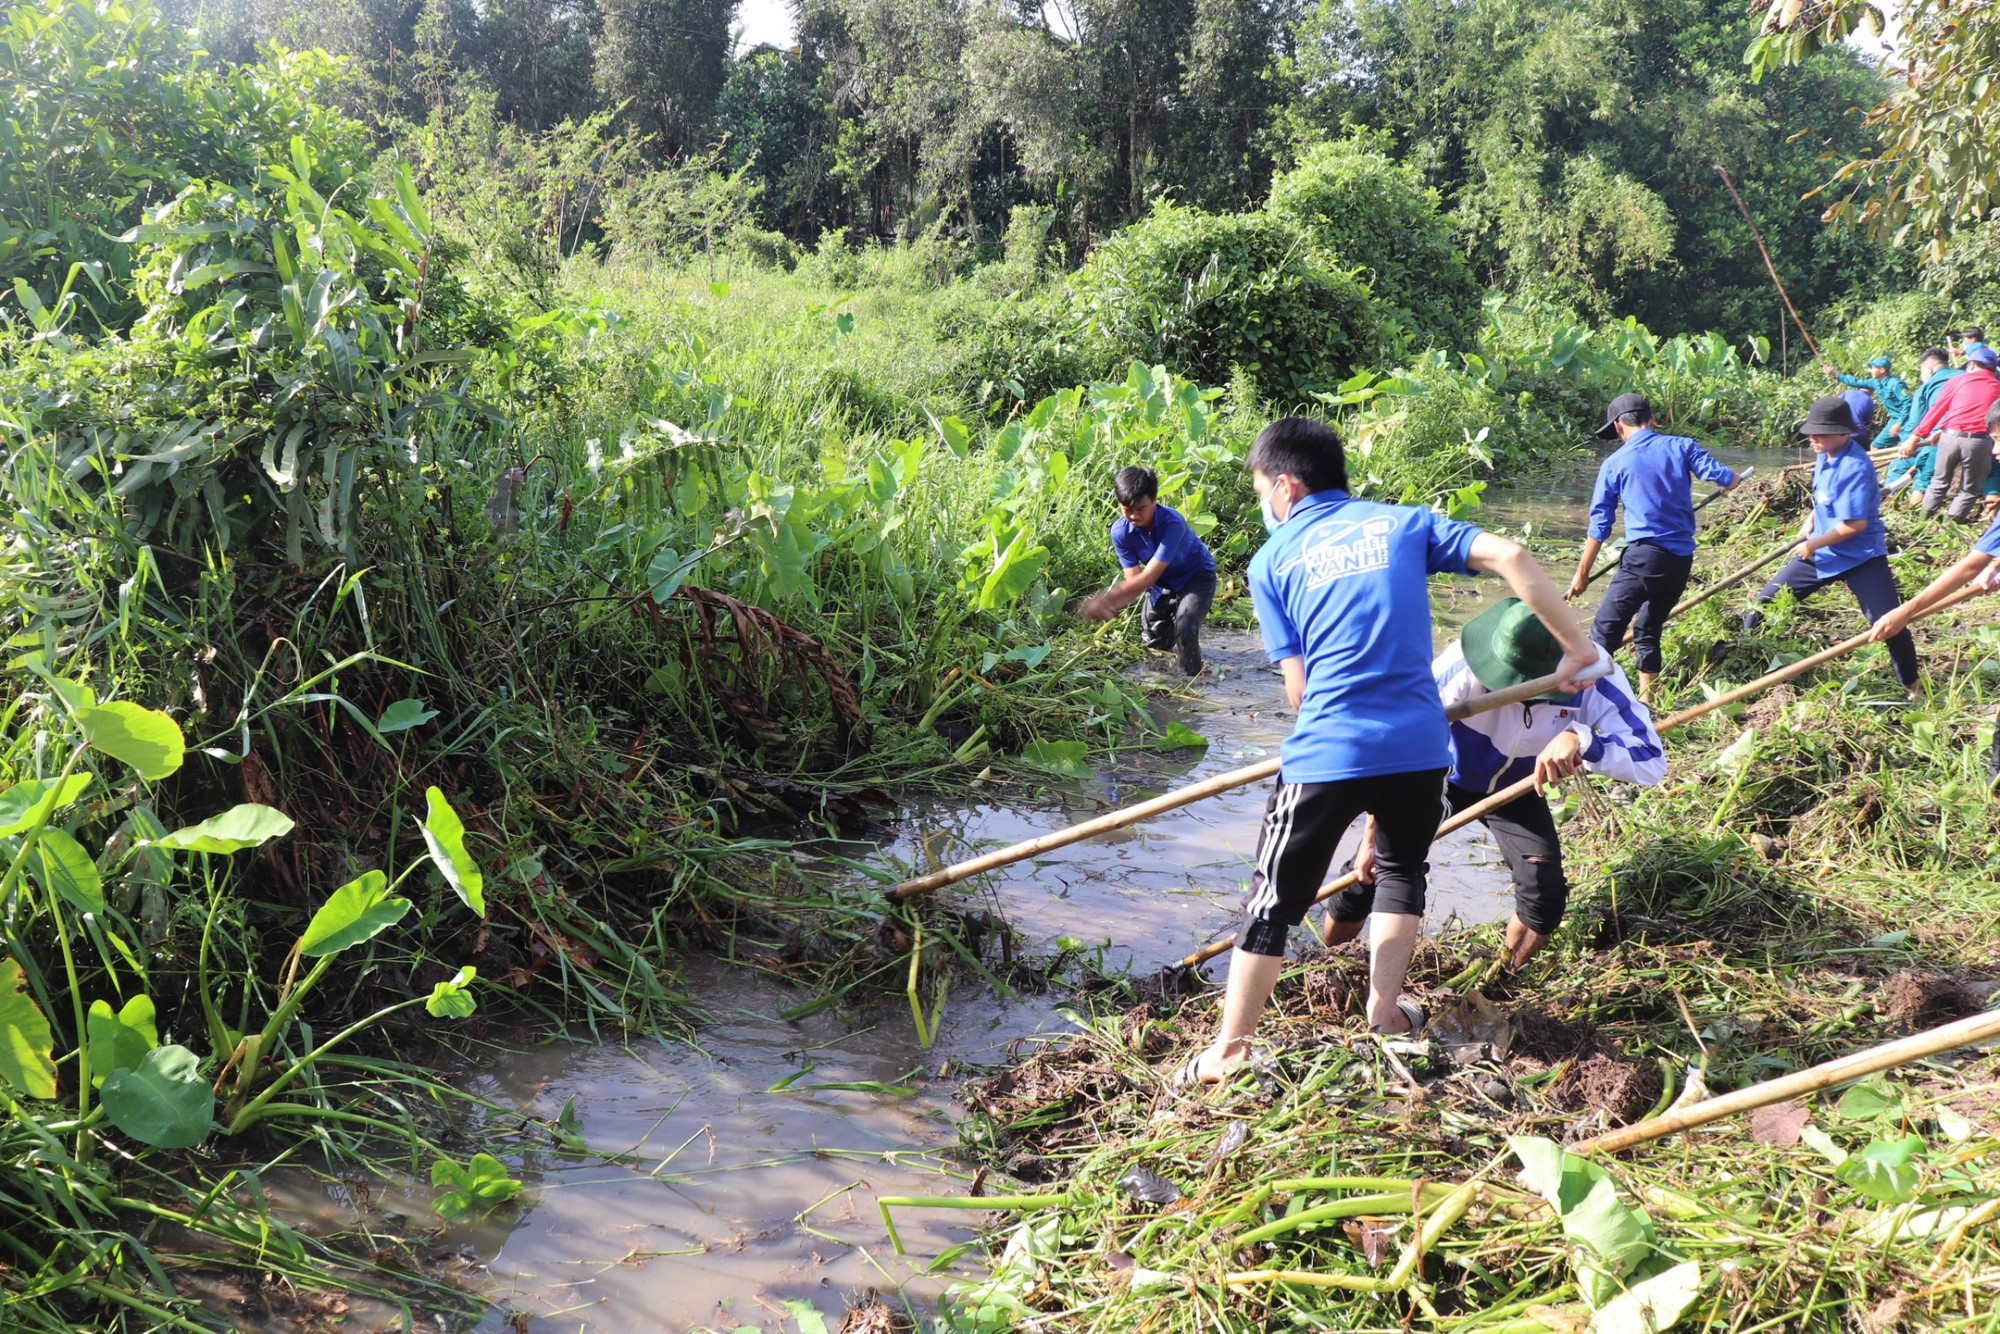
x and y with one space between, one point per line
1012 573
26 1049
359 910
120 1040
444 832
163 1101
144 738
61 867
247 826
25 805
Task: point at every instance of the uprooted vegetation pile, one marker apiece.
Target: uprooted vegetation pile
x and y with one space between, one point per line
1814 877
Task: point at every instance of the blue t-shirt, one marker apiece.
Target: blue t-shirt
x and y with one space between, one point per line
1649 475
1169 539
1845 487
1341 584
1861 406
1989 541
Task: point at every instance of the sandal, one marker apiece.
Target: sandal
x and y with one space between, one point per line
1413 1014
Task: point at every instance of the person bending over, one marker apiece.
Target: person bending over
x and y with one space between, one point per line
1344 609
1978 567
1163 559
1649 473
1843 540
1603 729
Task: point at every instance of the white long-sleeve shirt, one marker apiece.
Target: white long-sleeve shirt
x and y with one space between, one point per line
1492 750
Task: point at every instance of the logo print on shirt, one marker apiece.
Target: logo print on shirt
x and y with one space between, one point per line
1339 548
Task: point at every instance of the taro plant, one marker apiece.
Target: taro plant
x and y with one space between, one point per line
63 902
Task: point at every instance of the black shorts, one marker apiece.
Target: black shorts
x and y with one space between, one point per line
1303 825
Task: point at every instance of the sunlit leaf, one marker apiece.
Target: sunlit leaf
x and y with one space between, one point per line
163 1101
246 826
25 805
1179 736
144 738
61 867
359 910
453 999
26 1046
120 1039
444 833
1886 1171
1652 1305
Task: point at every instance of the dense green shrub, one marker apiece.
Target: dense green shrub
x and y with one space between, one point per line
1902 326
1014 346
1205 292
1361 208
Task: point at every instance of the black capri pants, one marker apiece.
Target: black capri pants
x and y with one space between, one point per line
1525 830
1874 587
1303 825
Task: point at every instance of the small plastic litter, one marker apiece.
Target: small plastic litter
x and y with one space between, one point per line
1149 1187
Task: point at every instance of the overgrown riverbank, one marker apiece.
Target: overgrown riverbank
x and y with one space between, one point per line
1815 876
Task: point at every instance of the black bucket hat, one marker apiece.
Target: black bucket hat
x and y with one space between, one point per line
1621 405
1828 416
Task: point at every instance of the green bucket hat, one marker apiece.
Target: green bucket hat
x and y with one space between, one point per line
1506 644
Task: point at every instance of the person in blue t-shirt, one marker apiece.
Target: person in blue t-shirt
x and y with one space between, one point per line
1979 567
1843 538
1649 474
1344 609
1162 558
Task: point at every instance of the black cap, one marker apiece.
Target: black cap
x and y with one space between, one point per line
1621 405
1828 416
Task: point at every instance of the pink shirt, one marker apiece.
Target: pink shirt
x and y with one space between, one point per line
1962 405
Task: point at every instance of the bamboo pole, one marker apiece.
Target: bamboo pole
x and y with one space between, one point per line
1699 505
1170 801
1727 581
1931 1042
1521 789
1881 460
1769 267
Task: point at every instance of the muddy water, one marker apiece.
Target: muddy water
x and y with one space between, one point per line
751 1204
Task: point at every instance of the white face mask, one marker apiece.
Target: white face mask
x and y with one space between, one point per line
1271 516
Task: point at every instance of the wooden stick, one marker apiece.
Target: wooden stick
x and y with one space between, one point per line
1769 267
1728 581
1521 789
1881 460
1931 1042
1699 505
1171 801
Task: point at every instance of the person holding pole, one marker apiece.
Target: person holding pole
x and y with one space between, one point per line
1344 610
1843 538
1970 339
1979 567
1888 389
1934 372
1603 729
1162 558
1649 474
1964 450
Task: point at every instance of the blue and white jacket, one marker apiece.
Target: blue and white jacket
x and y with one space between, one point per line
1493 750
